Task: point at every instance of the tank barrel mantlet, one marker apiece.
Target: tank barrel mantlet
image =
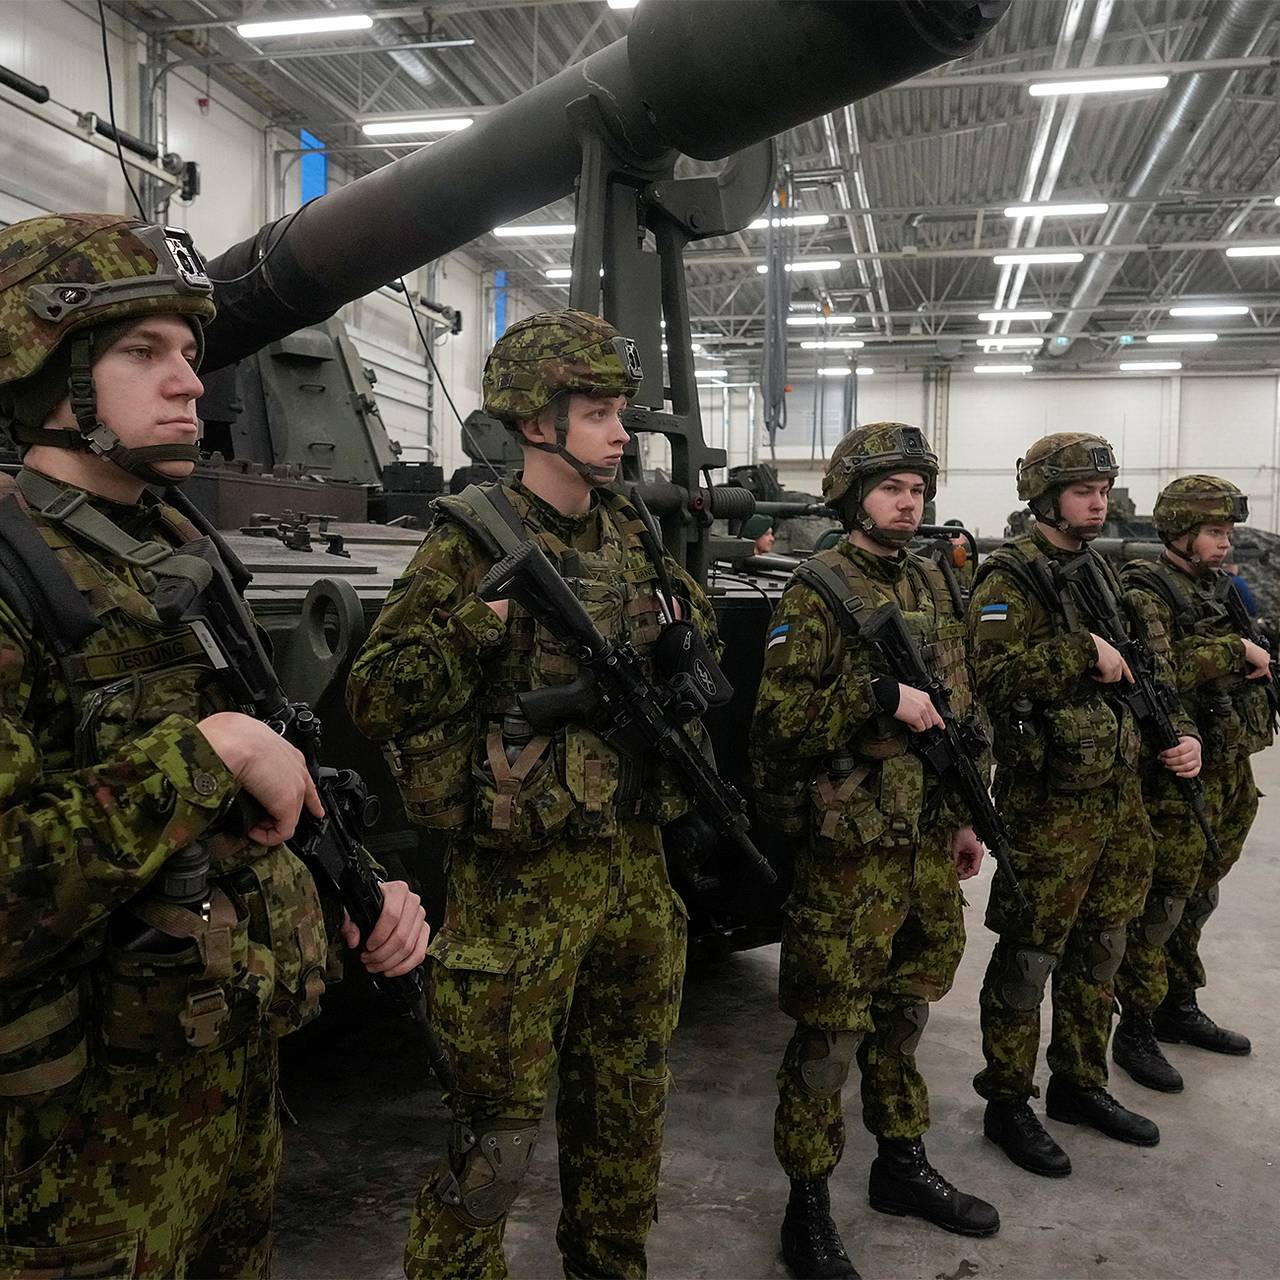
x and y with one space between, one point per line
706 79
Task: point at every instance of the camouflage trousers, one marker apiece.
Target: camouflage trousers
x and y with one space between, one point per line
1084 860
573 953
868 939
1163 954
166 1171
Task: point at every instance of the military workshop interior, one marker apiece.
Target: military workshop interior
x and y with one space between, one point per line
761 521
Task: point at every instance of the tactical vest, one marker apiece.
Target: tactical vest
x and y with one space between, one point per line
874 789
485 771
1231 712
1075 742
258 958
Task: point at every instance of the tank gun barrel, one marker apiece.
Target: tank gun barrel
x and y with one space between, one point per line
707 79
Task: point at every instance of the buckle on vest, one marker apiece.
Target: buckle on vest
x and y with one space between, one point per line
64 504
203 1018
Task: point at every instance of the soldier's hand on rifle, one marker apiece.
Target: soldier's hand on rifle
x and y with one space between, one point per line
270 769
916 710
1258 660
1184 759
500 607
1110 666
966 852
398 943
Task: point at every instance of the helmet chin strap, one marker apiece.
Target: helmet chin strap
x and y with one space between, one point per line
596 477
1054 517
1189 555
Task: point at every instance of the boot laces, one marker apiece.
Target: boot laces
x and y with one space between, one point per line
1142 1036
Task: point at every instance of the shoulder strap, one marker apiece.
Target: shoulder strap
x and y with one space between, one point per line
1014 560
1148 575
36 586
839 589
485 512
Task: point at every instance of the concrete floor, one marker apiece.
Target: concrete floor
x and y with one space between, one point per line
1204 1203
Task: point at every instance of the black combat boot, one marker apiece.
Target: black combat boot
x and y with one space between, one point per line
1017 1131
1180 1020
1134 1048
811 1244
904 1182
1097 1108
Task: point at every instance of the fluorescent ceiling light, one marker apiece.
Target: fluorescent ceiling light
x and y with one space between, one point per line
1055 210
535 229
1150 366
1020 259
1254 251
1113 84
623 4
1015 315
436 124
1211 309
559 273
816 264
815 322
833 344
305 26
863 371
835 371
791 220
995 341
1002 368
1177 339
711 373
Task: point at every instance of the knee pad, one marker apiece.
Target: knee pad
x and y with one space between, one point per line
1023 975
824 1060
1101 953
1159 919
1201 908
485 1170
904 1028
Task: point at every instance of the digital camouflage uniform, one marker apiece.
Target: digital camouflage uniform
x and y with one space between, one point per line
1234 720
137 1072
563 942
873 930
1067 784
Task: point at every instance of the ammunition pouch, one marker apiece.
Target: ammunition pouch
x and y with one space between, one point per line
901 1034
1082 744
519 803
485 1170
823 1059
1159 919
1200 908
1253 710
780 786
1018 741
1220 725
43 1048
1023 975
845 817
432 769
1100 954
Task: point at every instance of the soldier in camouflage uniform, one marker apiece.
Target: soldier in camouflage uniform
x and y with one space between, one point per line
1067 759
1220 674
563 941
873 930
138 1125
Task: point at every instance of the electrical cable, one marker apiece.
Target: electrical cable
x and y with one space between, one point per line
742 580
111 111
262 261
435 368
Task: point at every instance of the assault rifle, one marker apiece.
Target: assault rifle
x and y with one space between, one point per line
1229 593
1149 700
615 698
950 751
195 587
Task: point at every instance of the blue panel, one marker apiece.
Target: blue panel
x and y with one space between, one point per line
315 168
499 305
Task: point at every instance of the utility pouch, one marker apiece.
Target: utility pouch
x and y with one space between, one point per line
901 797
520 802
1254 711
1081 744
845 817
432 768
43 1047
1018 739
1220 726
155 1007
593 772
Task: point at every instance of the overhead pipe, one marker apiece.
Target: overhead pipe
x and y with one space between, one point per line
1231 30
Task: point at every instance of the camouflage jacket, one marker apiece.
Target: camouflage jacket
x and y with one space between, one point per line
1207 658
439 668
1034 675
817 723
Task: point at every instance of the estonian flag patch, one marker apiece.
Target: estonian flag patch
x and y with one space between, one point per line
778 635
994 613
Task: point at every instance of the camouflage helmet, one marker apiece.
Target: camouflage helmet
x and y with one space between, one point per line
552 352
1064 458
878 449
1191 501
66 273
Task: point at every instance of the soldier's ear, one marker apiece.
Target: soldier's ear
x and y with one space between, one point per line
539 430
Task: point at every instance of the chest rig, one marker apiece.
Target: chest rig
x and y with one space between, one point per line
1232 713
256 954
526 787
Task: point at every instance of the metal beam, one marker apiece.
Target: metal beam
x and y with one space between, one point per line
1191 66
